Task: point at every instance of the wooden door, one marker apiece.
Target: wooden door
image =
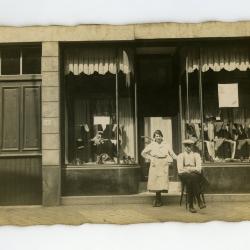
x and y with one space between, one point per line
20 143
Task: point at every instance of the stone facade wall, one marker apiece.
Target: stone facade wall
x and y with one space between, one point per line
51 124
123 32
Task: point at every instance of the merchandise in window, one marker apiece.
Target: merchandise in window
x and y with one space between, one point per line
223 133
227 116
99 117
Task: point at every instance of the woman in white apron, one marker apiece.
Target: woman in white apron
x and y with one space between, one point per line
159 153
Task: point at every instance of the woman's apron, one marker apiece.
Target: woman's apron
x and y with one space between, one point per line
158 175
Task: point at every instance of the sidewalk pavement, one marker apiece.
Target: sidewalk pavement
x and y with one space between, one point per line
121 214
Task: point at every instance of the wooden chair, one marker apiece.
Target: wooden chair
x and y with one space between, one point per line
184 192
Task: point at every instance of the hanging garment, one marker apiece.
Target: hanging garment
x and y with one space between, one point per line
190 129
218 126
197 130
210 131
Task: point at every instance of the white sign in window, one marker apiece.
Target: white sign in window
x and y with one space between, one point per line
228 95
102 120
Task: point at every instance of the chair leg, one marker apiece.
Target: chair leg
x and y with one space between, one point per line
182 192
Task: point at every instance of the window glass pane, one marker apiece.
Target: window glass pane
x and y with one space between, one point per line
191 110
126 100
31 60
91 117
226 122
10 59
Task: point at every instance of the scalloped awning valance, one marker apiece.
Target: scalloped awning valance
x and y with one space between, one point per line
216 59
100 60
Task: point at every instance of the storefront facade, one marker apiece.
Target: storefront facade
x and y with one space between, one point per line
75 124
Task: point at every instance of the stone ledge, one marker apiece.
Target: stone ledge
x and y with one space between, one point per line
146 199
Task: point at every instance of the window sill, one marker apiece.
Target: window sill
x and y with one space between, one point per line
18 155
101 166
27 77
226 164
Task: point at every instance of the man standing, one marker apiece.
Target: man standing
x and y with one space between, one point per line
189 170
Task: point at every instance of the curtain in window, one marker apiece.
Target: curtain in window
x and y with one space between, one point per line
218 58
100 60
127 128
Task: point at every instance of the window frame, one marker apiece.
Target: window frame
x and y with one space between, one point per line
20 48
183 108
64 106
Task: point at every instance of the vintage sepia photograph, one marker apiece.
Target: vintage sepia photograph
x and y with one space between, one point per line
125 124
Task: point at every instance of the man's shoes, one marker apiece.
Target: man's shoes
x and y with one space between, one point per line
155 203
192 210
159 204
201 204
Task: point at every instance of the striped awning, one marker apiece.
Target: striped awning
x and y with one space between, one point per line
216 59
100 60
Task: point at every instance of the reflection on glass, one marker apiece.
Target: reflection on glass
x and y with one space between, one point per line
191 110
126 100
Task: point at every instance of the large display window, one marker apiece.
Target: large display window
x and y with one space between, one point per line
215 99
100 107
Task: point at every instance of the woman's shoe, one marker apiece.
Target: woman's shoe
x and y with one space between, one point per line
192 210
201 206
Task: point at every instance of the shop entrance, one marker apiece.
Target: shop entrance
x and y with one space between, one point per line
157 103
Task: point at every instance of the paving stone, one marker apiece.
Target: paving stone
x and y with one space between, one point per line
121 214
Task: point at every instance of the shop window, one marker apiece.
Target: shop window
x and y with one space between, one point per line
100 104
215 102
20 60
126 108
226 116
191 109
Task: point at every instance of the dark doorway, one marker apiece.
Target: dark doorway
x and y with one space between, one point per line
157 101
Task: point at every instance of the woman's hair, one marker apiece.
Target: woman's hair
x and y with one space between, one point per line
157 132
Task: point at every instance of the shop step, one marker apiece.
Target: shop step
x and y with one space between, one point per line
146 198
